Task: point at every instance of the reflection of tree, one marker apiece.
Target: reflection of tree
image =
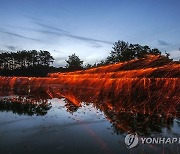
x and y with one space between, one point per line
71 107
25 106
132 108
141 124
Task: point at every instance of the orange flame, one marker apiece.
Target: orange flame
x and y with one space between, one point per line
137 86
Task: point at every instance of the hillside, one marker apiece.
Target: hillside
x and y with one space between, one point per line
149 67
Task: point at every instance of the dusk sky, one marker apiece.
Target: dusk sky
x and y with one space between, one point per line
88 27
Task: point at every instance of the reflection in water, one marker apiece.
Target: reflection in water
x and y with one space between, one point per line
36 102
123 122
136 95
126 111
146 86
24 105
144 125
98 107
71 107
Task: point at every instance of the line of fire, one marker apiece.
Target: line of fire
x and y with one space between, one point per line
145 86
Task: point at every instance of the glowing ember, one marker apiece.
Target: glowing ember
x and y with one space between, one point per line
124 87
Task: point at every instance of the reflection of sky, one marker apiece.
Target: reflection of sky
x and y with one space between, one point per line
85 131
88 28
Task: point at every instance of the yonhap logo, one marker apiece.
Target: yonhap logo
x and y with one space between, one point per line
131 140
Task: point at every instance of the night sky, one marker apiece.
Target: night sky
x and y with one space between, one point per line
88 27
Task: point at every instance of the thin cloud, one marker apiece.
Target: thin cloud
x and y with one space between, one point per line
1 51
88 39
36 30
10 47
96 45
33 18
161 42
175 46
51 27
17 35
62 32
70 35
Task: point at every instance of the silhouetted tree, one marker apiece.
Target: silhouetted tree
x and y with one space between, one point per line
155 51
116 55
101 63
88 66
167 54
74 63
24 59
25 62
45 58
123 51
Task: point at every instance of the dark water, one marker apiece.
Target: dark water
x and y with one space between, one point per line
56 125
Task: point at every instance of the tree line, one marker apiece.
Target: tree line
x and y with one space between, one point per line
24 59
38 63
26 63
121 51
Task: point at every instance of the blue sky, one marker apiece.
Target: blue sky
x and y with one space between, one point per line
88 27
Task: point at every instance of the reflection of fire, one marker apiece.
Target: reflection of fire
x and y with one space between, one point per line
125 87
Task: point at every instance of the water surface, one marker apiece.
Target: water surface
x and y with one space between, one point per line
57 125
